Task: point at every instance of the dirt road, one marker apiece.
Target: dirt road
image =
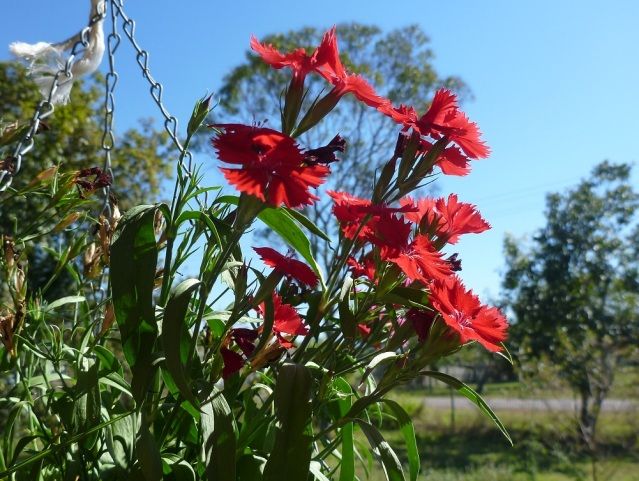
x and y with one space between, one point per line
516 404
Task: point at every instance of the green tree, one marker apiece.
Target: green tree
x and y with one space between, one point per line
398 63
71 138
574 291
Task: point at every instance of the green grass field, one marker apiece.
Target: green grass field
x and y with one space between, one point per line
468 447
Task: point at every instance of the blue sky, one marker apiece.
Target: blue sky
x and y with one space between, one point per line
556 83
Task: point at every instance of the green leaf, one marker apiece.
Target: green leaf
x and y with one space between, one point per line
308 223
87 404
471 395
379 359
390 461
250 467
347 465
62 301
176 338
218 439
119 441
291 454
148 455
408 431
134 256
282 223
316 470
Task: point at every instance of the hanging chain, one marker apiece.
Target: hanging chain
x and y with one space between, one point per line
111 80
45 108
156 89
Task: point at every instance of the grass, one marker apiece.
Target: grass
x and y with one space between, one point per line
469 447
626 386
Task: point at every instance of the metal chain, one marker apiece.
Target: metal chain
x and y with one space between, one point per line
156 89
111 80
45 108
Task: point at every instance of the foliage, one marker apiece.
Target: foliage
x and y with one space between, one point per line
138 373
72 140
574 291
398 62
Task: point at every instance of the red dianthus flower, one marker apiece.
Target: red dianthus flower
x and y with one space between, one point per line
462 311
271 165
450 217
287 265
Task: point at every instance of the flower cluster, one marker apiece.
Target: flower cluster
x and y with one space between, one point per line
394 238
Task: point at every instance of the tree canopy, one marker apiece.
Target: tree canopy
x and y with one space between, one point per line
574 290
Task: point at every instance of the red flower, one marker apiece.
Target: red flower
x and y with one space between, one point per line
421 321
298 60
245 339
359 87
352 212
365 268
364 330
271 165
233 362
286 320
453 162
404 114
420 261
451 217
288 266
444 118
462 311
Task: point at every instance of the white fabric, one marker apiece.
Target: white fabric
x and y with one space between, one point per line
46 59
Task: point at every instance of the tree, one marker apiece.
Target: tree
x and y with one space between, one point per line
574 292
397 63
71 138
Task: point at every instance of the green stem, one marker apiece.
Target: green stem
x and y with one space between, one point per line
44 453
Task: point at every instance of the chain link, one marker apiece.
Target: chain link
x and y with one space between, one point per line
156 89
108 137
45 108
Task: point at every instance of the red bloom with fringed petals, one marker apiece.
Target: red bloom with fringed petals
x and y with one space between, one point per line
444 118
271 165
361 218
451 217
286 320
298 60
365 268
420 261
462 311
330 66
287 265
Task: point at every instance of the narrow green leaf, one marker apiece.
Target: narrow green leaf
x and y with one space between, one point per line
134 256
471 395
176 338
347 465
308 223
62 301
291 233
120 437
87 404
148 455
378 360
290 457
219 443
390 461
316 470
408 431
